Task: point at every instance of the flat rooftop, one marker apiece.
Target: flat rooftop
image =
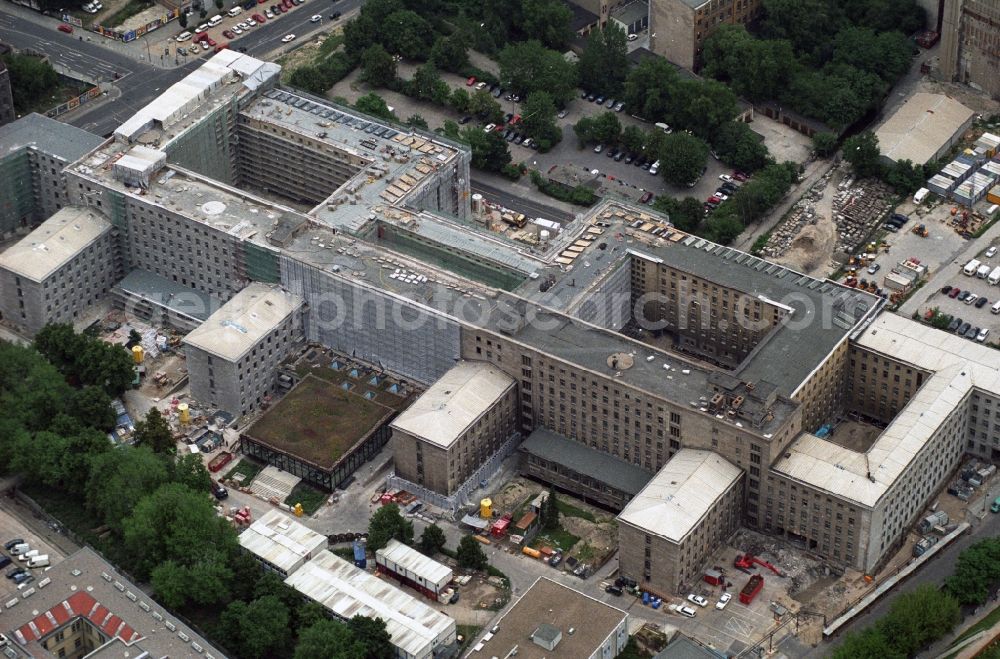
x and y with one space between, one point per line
86 587
347 591
168 293
579 457
244 321
921 126
318 421
551 603
414 564
281 541
48 136
958 366
452 404
680 495
54 243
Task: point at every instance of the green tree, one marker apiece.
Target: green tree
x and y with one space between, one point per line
685 214
310 79
976 572
870 643
416 121
91 406
722 228
604 64
154 433
918 618
374 105
373 637
470 554
407 33
824 144
528 67
485 107
633 139
862 152
378 69
702 106
649 88
683 158
450 130
387 523
189 470
460 100
538 116
205 581
31 80
550 512
432 540
328 639
548 21
256 629
119 479
605 128
738 146
60 344
176 524
428 85
450 53
489 150
756 69
904 176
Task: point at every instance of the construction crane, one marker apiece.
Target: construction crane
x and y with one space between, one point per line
746 561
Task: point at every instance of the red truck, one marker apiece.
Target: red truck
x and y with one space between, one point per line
220 461
752 589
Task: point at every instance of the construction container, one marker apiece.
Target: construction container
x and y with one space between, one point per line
713 577
529 551
410 567
360 554
752 589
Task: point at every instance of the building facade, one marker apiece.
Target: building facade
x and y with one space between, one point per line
678 28
6 97
970 44
60 269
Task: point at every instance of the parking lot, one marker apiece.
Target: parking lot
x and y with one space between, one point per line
978 314
11 528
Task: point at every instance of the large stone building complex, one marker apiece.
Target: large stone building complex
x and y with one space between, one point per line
678 28
634 342
970 43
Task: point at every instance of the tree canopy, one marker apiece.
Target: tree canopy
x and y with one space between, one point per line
387 524
86 360
683 158
378 69
374 105
489 150
528 67
470 554
538 116
604 65
432 540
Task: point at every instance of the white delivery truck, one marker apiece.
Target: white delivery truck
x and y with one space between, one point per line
994 277
42 560
920 195
983 271
971 267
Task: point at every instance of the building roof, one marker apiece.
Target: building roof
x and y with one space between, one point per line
681 494
958 366
921 126
47 135
85 586
414 563
582 459
54 243
243 321
281 541
547 602
173 295
582 18
348 591
631 13
453 403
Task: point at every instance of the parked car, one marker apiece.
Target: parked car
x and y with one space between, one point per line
619 106
220 492
14 571
723 601
229 34
268 13
619 155
316 18
610 103
464 120
991 252
335 15
10 544
686 611
972 333
562 114
955 292
261 19
962 295
726 177
873 268
610 153
598 148
591 97
946 290
965 327
646 197
954 324
983 333
5 561
697 599
981 302
287 38
632 37
599 100
471 81
740 176
68 29
972 297
612 589
497 92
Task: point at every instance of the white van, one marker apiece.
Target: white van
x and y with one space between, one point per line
971 267
983 271
183 36
42 560
995 308
17 550
235 11
994 277
27 555
655 167
215 20
202 27
920 195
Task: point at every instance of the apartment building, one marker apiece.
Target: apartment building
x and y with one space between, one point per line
455 426
970 44
232 356
6 97
57 271
33 152
683 514
678 28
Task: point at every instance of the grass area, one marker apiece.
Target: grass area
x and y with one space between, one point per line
248 468
318 421
468 634
988 621
569 510
73 515
345 553
559 537
66 90
330 44
310 497
131 9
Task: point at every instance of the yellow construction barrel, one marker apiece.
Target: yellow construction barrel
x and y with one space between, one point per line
486 508
184 413
137 354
